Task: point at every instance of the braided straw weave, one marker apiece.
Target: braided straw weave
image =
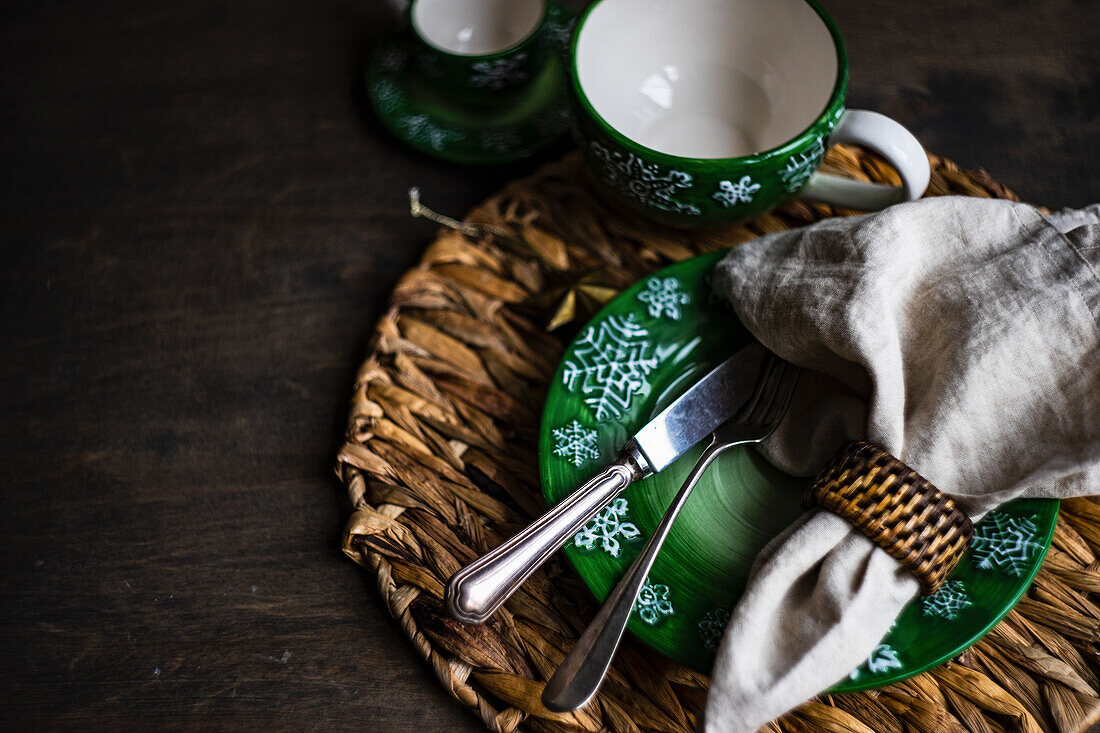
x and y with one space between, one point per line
897 508
440 466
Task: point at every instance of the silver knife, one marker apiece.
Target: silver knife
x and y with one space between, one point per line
480 588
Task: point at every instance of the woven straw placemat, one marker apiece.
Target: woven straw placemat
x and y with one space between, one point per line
440 464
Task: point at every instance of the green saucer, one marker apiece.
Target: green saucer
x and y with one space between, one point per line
414 112
639 353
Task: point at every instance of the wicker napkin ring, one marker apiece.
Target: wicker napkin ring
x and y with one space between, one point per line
897 508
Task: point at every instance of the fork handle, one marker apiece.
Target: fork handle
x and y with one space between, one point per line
480 588
579 676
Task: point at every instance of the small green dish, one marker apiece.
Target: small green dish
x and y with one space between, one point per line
411 107
640 352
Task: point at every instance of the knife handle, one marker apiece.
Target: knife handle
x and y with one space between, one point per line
480 588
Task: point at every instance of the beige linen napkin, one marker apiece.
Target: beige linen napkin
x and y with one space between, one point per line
963 336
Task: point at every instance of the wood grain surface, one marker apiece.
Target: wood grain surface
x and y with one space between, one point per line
199 223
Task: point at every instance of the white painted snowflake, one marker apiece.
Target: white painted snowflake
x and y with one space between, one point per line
606 528
730 193
387 95
423 129
645 182
883 658
1005 542
653 603
498 73
575 443
558 34
712 626
558 30
610 365
800 167
947 602
663 295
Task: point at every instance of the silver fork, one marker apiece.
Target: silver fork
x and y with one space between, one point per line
579 676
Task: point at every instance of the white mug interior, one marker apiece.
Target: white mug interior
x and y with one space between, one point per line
475 27
707 78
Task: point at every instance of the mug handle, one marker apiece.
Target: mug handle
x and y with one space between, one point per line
890 140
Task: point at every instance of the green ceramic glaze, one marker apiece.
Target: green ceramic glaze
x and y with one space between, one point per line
410 107
640 352
684 191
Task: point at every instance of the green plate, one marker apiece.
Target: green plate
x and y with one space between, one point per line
413 111
639 353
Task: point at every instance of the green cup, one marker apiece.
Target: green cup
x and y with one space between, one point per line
706 112
480 51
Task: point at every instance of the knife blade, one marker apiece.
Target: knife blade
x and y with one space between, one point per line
703 407
479 589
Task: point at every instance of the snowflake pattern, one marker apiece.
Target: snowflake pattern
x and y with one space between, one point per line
558 29
610 365
663 296
801 166
1005 542
712 625
498 73
653 603
730 193
948 601
387 95
423 129
882 659
558 33
606 528
576 443
645 182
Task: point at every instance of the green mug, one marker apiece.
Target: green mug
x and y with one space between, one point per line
478 51
705 112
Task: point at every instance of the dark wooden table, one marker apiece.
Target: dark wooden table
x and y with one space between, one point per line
199 225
